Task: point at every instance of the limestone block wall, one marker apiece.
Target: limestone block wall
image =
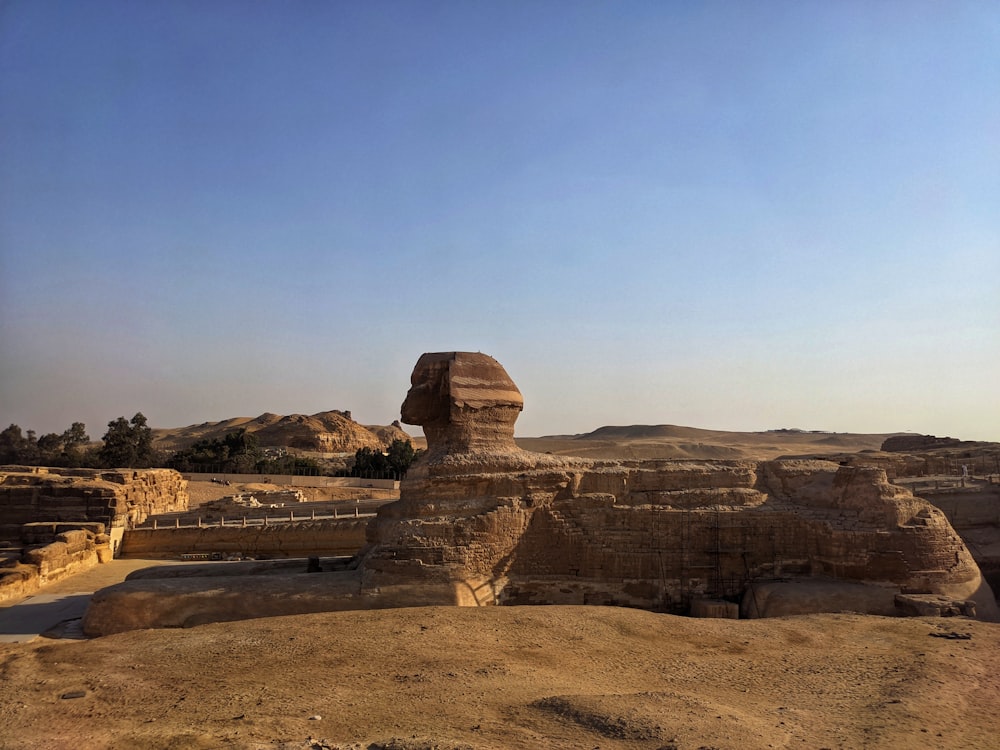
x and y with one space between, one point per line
445 548
966 507
298 539
116 498
974 512
654 557
72 551
661 534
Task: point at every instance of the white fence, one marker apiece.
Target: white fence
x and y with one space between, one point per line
289 480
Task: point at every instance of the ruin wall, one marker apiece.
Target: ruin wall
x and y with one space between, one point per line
297 539
71 551
660 535
116 497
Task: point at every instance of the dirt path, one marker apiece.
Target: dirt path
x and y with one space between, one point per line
511 677
23 619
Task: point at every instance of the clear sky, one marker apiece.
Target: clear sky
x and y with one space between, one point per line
725 215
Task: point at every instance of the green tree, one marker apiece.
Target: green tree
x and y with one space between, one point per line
393 464
12 444
237 452
369 463
74 444
75 437
29 450
128 443
400 456
50 448
244 451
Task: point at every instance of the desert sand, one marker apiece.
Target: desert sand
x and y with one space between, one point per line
511 677
644 442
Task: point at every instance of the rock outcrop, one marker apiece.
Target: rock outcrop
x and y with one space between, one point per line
56 551
910 443
331 431
118 498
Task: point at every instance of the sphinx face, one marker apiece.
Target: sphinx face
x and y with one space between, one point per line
465 401
427 401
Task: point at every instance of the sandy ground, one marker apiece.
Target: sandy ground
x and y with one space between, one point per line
511 677
203 492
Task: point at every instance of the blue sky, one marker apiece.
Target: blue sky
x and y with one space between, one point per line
725 215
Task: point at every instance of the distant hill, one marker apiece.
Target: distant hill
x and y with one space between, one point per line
645 431
325 432
642 442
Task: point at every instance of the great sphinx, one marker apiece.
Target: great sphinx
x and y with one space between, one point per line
506 525
481 521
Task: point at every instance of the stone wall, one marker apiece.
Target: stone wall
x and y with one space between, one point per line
116 498
974 512
654 534
294 480
70 551
662 558
298 539
664 534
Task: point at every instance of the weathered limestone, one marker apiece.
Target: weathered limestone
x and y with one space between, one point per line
68 520
64 551
534 528
118 498
184 602
326 537
715 608
973 509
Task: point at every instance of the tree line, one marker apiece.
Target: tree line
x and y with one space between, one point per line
128 443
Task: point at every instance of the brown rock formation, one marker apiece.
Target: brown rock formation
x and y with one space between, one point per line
909 443
117 497
331 431
388 433
64 549
326 432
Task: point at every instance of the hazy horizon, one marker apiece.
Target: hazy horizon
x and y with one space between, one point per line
719 215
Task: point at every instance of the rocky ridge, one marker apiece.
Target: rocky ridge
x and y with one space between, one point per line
324 432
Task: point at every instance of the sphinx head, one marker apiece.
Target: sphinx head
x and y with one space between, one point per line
465 401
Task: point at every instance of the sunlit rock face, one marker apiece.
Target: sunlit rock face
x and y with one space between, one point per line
467 405
465 402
